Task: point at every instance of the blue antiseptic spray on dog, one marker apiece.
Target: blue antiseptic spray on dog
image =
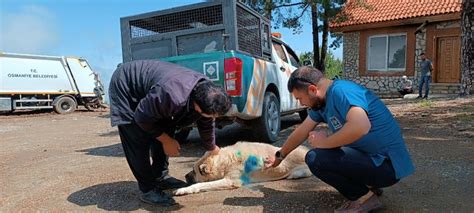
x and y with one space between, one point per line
253 163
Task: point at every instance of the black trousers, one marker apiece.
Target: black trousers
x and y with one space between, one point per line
349 171
138 147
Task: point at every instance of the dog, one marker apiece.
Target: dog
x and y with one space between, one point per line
228 170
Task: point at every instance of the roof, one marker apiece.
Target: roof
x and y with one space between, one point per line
374 11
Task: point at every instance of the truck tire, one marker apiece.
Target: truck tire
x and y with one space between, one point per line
267 127
64 104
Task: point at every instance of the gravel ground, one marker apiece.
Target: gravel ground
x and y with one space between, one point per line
75 162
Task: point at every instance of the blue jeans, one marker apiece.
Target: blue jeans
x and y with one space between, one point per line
349 171
424 80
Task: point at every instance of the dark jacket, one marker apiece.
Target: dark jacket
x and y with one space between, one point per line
156 96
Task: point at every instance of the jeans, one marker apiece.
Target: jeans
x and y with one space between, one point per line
350 171
424 80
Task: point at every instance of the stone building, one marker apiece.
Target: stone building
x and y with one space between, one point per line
382 40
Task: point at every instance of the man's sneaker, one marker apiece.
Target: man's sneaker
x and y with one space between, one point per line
157 197
419 97
370 204
169 182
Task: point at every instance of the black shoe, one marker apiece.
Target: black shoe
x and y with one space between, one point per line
425 97
419 97
169 182
157 197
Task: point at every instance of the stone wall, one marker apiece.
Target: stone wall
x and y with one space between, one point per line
448 24
420 47
350 53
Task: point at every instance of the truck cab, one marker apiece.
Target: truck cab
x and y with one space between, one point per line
232 45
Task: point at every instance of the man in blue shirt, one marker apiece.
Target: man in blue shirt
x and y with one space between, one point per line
426 68
366 150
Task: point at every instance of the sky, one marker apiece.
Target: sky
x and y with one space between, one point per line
91 29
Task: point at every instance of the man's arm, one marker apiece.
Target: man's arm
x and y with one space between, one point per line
298 136
207 130
409 84
155 106
357 125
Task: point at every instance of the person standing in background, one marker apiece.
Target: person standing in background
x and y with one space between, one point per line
426 68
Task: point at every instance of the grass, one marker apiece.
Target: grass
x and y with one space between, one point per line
426 103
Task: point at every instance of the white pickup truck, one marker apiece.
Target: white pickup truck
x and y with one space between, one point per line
232 45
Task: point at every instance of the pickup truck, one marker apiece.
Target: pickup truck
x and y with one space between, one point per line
232 45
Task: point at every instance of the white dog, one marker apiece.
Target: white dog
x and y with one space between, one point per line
226 170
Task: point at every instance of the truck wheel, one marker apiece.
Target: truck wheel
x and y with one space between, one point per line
64 105
267 127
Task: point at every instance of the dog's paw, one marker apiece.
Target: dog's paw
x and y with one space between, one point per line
186 191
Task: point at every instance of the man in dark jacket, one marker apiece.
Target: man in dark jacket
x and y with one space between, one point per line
149 101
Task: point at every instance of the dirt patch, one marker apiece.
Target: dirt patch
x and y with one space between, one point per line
75 162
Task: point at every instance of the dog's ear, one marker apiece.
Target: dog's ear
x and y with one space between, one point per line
204 169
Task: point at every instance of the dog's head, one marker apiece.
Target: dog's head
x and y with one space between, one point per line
208 168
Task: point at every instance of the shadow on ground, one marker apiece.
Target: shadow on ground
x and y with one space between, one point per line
118 196
114 150
298 201
112 133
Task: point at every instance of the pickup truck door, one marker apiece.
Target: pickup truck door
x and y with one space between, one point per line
287 101
294 64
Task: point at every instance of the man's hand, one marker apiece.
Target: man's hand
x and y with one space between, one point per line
316 138
270 162
216 150
171 147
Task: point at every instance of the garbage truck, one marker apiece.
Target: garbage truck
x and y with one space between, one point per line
230 43
48 82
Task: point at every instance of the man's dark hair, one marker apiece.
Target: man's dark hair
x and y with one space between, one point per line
422 54
211 98
304 76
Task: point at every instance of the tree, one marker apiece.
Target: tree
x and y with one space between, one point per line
467 46
333 65
322 12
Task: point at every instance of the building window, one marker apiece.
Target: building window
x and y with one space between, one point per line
387 52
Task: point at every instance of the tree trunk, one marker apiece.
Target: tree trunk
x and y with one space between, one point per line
268 9
314 23
467 46
324 45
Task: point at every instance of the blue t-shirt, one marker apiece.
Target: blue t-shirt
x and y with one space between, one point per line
384 140
425 68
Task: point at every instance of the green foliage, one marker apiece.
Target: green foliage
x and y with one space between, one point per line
426 103
333 65
293 13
